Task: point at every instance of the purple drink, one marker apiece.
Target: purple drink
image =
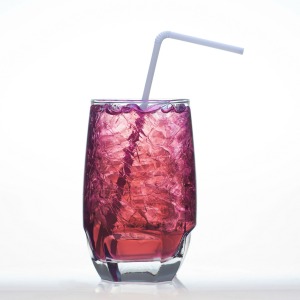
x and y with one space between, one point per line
139 190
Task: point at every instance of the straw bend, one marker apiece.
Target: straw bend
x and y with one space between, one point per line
182 37
163 35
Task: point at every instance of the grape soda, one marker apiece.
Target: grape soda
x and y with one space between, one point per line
139 187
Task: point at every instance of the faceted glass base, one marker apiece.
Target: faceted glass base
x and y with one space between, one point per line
145 271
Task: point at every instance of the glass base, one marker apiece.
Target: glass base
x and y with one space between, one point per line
146 271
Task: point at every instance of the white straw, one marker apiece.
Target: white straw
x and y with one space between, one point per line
186 38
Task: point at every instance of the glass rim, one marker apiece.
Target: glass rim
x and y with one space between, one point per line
140 101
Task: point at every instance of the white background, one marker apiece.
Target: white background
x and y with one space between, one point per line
57 55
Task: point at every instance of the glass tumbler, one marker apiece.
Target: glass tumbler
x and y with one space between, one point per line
139 188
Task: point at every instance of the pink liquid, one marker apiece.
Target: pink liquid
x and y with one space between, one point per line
139 190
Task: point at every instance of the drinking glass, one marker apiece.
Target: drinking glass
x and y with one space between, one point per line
139 188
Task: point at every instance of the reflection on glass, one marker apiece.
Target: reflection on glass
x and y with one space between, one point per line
142 290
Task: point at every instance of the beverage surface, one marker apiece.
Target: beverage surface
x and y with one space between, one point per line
139 188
